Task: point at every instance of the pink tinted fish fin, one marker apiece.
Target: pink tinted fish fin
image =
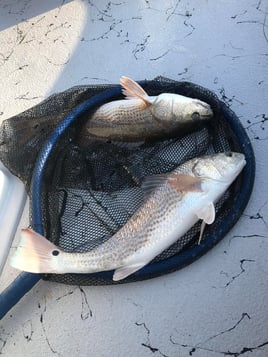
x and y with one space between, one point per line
185 183
150 183
35 254
181 182
132 90
125 271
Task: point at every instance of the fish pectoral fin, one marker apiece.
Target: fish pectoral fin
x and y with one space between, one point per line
207 213
185 183
132 89
150 183
181 182
125 271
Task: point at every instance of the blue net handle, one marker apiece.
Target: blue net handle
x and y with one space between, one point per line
25 281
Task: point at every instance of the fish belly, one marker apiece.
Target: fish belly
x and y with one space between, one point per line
160 234
154 227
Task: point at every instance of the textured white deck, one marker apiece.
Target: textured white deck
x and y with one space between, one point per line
217 306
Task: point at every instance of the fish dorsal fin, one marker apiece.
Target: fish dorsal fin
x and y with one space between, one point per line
184 183
125 271
132 90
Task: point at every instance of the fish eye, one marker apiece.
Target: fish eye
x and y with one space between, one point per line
55 252
195 116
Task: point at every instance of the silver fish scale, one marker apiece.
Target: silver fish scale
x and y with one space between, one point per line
152 222
109 121
110 114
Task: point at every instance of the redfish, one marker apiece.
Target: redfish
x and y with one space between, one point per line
176 201
141 117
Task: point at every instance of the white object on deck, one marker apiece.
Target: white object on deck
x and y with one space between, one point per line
12 201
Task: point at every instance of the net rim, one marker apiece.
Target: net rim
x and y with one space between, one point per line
183 258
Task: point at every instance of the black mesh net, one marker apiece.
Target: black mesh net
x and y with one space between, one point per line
91 188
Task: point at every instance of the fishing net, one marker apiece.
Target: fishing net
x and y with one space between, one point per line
91 188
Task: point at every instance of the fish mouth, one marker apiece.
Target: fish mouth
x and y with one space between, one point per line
206 111
206 116
238 163
241 165
197 115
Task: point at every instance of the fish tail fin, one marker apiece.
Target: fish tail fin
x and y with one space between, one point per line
132 89
35 254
